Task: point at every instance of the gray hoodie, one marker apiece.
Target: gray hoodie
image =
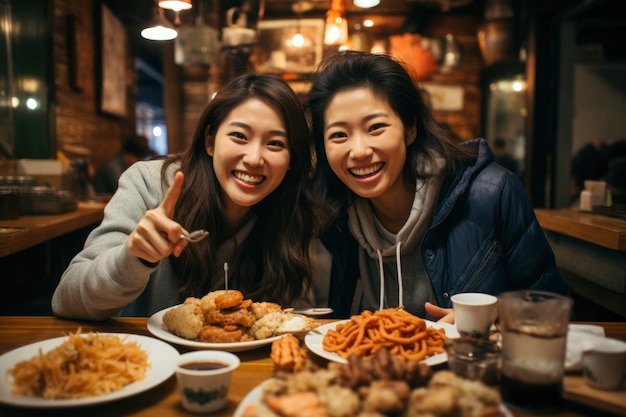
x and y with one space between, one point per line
392 272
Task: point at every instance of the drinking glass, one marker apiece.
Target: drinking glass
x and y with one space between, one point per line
533 326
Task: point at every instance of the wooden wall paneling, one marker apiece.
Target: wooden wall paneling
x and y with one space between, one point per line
81 130
172 99
467 122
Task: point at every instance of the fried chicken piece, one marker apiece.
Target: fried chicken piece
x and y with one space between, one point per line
258 410
208 301
278 322
217 334
245 305
229 299
301 404
262 308
192 300
242 317
388 396
447 393
340 401
438 401
185 320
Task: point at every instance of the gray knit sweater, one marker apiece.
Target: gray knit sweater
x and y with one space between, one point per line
104 279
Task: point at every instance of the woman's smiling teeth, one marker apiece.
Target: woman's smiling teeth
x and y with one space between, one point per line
247 178
365 171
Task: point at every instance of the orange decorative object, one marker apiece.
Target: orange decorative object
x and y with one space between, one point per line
408 49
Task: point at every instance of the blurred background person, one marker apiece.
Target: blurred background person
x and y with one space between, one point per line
134 149
591 162
616 180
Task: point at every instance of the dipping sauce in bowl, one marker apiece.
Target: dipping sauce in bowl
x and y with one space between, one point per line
203 366
204 379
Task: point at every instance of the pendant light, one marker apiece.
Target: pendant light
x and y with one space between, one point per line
175 5
298 40
159 28
336 32
366 4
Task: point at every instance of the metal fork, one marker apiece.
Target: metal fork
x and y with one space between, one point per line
195 236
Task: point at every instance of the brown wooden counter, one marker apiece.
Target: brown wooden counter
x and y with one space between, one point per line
30 230
594 228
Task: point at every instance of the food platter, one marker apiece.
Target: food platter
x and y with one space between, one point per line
313 341
254 397
155 326
161 357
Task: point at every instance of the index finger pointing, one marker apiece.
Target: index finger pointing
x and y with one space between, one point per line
169 202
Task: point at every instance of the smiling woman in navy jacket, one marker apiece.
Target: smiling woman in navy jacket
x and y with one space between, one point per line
415 216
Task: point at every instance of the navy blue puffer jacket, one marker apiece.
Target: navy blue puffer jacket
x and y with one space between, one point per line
484 237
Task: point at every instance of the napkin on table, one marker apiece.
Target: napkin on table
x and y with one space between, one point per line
581 337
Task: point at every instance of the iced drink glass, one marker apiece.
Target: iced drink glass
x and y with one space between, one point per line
533 326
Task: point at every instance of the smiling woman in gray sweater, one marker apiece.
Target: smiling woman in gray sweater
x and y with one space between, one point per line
243 178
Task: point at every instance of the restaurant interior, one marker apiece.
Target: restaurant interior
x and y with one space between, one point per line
542 80
79 76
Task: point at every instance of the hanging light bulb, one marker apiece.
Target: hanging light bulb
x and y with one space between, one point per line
297 40
366 4
176 5
159 29
336 31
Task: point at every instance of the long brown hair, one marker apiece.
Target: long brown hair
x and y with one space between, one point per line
272 263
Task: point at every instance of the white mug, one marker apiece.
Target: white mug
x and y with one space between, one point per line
235 36
603 364
474 313
235 17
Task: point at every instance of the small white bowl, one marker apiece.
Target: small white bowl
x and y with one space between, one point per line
204 379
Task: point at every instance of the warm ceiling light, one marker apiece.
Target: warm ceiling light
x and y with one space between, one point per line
336 32
176 5
159 29
366 4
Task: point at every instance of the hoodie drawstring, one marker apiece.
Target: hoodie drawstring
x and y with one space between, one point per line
381 273
399 266
382 277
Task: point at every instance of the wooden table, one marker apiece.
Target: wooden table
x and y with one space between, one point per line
605 231
163 400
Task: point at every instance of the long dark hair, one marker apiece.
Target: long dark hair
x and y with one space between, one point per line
272 263
389 80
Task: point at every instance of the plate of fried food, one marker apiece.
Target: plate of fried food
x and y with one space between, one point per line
382 385
83 369
225 320
401 332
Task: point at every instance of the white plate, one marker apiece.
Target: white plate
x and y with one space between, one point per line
254 397
161 357
313 340
155 326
